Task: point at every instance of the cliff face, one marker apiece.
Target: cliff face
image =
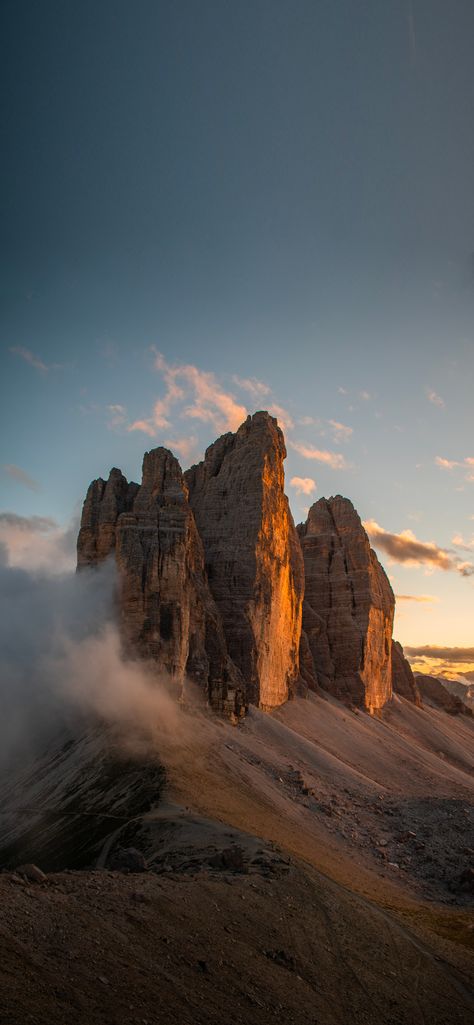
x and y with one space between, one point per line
432 689
348 608
252 554
403 680
166 610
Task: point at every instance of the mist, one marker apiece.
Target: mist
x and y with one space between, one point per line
62 666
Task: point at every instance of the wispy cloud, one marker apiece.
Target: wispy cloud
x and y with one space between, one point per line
435 399
333 459
252 385
19 475
459 542
203 396
284 418
29 357
407 548
187 448
447 654
303 485
117 417
340 432
34 360
422 598
466 464
365 396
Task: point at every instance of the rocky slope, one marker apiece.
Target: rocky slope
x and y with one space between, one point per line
166 610
348 607
253 558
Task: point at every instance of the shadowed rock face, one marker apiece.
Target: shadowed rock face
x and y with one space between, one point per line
403 681
432 689
348 608
166 610
252 554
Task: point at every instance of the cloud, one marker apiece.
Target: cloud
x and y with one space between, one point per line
333 459
364 395
117 418
450 464
303 485
37 543
204 399
16 473
340 431
252 386
459 542
428 598
445 653
29 357
407 548
284 418
342 391
446 464
187 448
435 399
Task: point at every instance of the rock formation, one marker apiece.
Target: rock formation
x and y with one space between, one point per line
403 680
432 689
253 558
211 578
348 607
166 610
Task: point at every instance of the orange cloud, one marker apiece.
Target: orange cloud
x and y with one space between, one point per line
333 459
428 598
407 548
205 400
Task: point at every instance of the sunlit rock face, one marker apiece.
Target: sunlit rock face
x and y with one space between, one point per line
252 554
167 613
403 680
348 608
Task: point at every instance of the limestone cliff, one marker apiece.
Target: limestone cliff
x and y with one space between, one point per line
252 554
348 608
403 680
166 610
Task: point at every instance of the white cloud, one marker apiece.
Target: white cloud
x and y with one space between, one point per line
303 485
333 459
251 385
38 543
117 417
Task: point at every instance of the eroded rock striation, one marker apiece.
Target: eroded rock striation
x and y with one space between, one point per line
348 607
253 557
167 613
403 680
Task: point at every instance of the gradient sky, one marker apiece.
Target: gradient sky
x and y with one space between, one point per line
276 194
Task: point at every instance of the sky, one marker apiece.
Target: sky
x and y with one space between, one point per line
217 207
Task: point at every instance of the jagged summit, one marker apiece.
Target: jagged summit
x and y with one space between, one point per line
212 575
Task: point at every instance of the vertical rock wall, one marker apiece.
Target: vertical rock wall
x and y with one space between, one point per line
166 610
252 554
348 608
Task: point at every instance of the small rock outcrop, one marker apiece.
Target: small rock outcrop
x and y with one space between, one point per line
403 680
253 558
166 610
432 689
348 607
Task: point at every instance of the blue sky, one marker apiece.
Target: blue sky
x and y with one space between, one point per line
270 192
